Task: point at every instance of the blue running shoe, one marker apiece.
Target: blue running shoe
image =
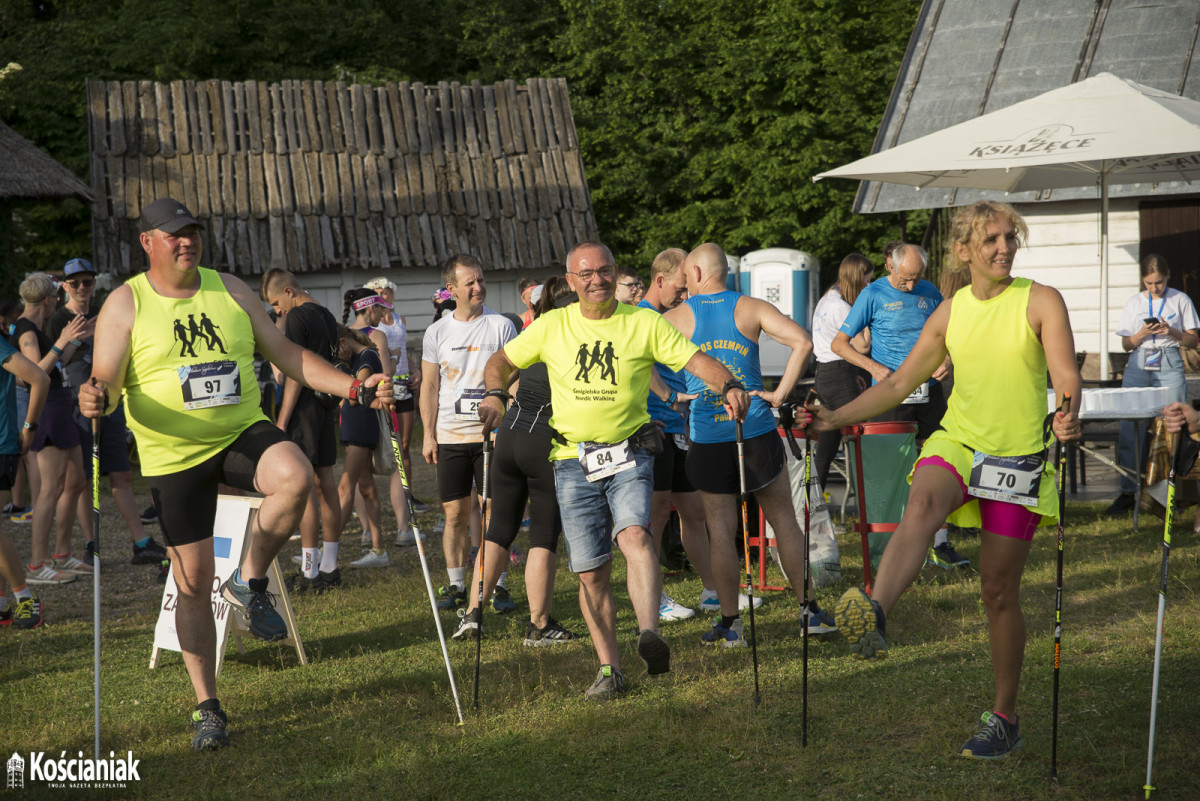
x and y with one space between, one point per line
502 601
451 597
258 608
820 622
945 557
729 637
210 729
863 623
996 739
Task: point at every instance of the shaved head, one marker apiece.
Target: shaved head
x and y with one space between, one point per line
710 258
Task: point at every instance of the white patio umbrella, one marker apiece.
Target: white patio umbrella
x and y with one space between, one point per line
1102 130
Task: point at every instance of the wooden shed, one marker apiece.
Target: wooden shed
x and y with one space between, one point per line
318 176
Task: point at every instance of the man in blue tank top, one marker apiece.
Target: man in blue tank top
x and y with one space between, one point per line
895 309
726 325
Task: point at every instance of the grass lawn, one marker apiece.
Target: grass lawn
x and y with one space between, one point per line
372 715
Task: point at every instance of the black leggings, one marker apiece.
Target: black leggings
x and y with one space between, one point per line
837 385
521 470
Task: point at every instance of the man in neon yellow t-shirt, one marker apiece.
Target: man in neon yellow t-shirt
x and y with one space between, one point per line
600 357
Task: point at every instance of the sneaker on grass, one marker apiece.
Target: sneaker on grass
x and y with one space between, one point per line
502 602
468 625
299 584
609 683
256 606
669 609
372 558
820 622
945 557
550 634
451 597
210 729
151 554
46 574
711 605
28 614
405 538
996 739
72 564
863 622
18 514
6 616
731 637
150 515
654 651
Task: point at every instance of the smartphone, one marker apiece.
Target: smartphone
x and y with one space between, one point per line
1151 321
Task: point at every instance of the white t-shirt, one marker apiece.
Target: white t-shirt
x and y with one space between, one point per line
827 320
397 339
461 350
1174 308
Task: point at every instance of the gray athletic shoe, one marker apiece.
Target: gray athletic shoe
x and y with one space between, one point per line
609 683
210 727
258 608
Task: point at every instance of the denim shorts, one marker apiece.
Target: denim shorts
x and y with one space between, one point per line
594 512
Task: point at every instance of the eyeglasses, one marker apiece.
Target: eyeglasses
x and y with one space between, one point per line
76 283
587 275
629 284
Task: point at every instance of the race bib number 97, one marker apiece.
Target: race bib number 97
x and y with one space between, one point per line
210 384
1013 479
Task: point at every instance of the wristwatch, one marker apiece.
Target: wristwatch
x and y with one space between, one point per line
30 426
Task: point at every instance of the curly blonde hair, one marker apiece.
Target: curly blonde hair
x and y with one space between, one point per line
969 224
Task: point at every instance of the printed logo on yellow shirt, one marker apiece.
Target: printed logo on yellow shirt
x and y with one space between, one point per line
596 364
203 329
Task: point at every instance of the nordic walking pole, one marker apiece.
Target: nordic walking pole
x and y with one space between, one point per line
483 519
1168 518
741 458
416 532
96 574
805 614
1062 510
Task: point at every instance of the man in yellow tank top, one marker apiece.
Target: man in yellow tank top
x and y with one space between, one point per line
195 412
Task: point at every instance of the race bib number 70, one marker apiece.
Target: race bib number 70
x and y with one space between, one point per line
1013 479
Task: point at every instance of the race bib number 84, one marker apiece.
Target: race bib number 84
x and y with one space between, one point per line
601 460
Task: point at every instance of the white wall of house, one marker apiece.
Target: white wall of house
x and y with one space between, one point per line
1064 252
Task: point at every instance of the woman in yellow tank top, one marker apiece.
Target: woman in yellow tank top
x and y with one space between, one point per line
986 467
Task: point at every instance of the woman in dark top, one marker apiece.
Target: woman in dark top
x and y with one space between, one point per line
56 441
360 436
521 471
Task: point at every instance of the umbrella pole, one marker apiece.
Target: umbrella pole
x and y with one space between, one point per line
1104 365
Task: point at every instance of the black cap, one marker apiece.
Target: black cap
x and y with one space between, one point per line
166 215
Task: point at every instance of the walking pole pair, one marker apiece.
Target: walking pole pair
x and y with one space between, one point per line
1179 465
487 464
787 419
416 532
741 459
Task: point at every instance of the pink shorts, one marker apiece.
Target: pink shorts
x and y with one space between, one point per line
1000 518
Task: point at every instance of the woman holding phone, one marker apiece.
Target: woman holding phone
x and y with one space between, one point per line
1154 324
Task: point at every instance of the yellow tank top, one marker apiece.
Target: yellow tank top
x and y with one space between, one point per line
998 405
190 386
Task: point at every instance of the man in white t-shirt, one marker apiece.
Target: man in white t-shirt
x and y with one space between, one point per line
453 355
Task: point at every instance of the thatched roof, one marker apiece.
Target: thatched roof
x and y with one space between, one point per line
28 173
309 175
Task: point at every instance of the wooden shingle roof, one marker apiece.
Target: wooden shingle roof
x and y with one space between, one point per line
28 173
308 175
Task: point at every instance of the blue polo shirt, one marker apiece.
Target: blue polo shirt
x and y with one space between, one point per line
895 318
9 427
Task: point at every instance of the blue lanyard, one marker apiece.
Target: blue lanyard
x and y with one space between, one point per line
1161 307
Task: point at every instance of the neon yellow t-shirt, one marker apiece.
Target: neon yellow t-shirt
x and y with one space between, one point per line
190 386
599 369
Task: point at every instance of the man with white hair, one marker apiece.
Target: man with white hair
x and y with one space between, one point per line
895 309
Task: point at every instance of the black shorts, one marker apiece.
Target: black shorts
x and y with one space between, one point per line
314 429
521 471
713 466
670 470
187 501
457 467
114 448
927 416
8 470
406 405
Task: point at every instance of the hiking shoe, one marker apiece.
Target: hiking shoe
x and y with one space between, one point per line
668 609
712 605
71 564
150 515
89 553
731 637
451 597
419 506
654 651
551 634
28 614
863 623
945 557
609 683
332 580
299 584
6 616
258 608
46 574
18 514
152 554
372 558
210 729
502 602
406 538
819 622
468 625
1123 503
996 739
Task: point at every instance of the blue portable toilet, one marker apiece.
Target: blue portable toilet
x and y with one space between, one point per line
787 279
